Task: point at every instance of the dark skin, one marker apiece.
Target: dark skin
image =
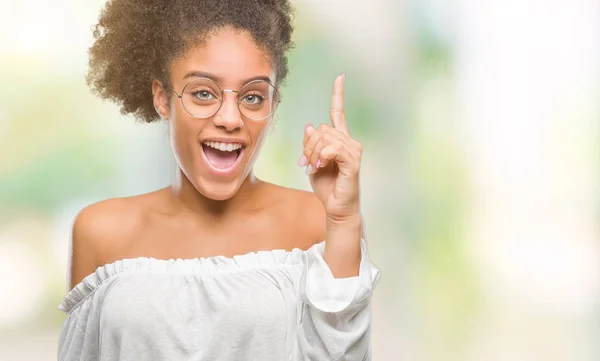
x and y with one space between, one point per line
200 214
150 225
207 212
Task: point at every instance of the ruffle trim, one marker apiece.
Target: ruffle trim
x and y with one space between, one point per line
209 265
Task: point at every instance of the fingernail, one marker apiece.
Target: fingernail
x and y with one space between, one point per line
302 161
343 76
306 126
318 163
308 169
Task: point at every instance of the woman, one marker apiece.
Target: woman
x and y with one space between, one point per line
220 265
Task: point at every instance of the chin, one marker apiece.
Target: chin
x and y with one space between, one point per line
217 191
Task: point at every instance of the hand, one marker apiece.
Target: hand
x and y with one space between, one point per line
333 159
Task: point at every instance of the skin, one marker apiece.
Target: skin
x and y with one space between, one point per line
203 215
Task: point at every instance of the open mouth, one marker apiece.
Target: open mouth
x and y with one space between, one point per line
222 156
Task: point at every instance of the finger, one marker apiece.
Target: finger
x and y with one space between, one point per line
337 112
311 142
331 137
347 164
329 134
308 131
314 162
308 128
330 153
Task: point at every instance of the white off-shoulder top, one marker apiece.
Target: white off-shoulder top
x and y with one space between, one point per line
265 306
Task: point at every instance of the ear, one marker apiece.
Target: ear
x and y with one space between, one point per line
160 100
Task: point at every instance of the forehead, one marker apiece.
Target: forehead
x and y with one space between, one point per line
231 55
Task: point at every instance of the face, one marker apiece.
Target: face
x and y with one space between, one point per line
216 153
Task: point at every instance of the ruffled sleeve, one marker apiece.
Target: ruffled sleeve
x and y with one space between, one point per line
335 313
80 331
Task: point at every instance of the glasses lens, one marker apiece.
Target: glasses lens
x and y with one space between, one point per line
201 98
258 100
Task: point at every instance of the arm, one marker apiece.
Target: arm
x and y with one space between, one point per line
97 229
78 334
342 248
338 279
333 159
334 309
334 315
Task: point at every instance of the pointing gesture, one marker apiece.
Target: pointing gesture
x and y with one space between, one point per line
337 112
332 160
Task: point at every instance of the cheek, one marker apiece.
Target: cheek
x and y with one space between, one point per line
258 134
182 136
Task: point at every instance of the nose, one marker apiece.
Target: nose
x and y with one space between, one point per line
229 116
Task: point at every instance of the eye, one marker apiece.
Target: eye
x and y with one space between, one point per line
203 94
252 99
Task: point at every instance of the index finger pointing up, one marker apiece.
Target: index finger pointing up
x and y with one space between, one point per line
337 112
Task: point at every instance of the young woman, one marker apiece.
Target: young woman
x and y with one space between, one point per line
220 265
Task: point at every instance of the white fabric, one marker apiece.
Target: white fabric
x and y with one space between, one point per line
267 306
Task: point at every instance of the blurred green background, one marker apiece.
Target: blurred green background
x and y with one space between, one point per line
479 122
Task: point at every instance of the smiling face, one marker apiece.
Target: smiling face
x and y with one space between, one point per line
216 153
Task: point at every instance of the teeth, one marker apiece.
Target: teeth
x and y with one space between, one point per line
224 147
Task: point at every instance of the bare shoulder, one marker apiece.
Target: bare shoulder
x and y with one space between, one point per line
97 230
306 214
313 214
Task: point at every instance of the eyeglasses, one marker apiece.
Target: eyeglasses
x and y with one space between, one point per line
202 98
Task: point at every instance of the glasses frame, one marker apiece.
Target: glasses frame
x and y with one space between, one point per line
223 91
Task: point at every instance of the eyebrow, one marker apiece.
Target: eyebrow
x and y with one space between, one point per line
216 79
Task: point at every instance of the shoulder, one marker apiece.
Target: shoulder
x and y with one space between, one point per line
312 213
97 230
306 215
106 220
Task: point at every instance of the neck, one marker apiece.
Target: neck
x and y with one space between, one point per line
184 194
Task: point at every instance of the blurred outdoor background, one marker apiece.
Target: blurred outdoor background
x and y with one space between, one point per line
480 177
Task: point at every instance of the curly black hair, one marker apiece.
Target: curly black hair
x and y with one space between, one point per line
136 41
